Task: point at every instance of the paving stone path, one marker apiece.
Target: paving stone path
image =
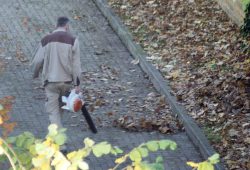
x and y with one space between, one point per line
109 78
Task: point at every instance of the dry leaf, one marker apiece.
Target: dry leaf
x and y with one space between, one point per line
135 62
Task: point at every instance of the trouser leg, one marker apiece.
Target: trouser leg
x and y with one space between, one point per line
53 92
52 104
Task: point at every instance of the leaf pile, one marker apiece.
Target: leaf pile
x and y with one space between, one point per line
201 52
121 102
165 124
160 121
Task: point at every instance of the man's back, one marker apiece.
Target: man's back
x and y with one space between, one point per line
58 59
61 60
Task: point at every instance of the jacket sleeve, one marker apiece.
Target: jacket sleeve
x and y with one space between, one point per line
76 63
37 62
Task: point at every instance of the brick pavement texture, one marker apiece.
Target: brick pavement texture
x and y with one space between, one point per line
108 77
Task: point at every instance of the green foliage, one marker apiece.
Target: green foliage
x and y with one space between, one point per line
7 151
37 154
214 159
102 148
21 145
143 152
206 165
245 28
27 153
115 150
152 146
57 135
211 135
137 154
245 3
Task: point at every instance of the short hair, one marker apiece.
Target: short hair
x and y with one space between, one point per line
62 21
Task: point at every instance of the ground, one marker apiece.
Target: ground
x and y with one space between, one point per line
114 86
204 56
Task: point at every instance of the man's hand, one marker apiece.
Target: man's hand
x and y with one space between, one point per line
77 89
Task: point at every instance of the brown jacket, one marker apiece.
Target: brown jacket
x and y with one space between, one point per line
58 57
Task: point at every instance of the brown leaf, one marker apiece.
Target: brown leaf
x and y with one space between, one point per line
110 113
164 130
247 140
25 21
76 17
233 132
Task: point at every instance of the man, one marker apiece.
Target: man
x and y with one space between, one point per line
59 59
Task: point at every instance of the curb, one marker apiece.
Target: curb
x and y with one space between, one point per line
192 129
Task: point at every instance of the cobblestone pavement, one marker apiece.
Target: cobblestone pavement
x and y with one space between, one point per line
109 78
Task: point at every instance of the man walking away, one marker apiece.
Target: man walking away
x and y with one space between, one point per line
58 57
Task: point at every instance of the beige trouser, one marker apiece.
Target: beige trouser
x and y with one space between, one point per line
53 107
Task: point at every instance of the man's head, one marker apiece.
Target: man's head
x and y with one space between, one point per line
63 22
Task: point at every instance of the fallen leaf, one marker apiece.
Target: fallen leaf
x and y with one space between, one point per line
135 62
233 132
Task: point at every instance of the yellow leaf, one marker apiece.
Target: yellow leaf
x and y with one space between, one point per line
38 161
57 158
205 166
1 120
83 165
120 160
129 168
62 165
48 141
88 142
71 155
1 150
72 167
49 152
41 162
138 167
193 164
46 166
175 74
55 147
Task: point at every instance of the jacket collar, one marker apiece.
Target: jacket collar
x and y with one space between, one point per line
59 29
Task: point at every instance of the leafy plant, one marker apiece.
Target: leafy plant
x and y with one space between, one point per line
211 135
21 144
37 154
142 151
206 165
245 28
245 4
25 152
